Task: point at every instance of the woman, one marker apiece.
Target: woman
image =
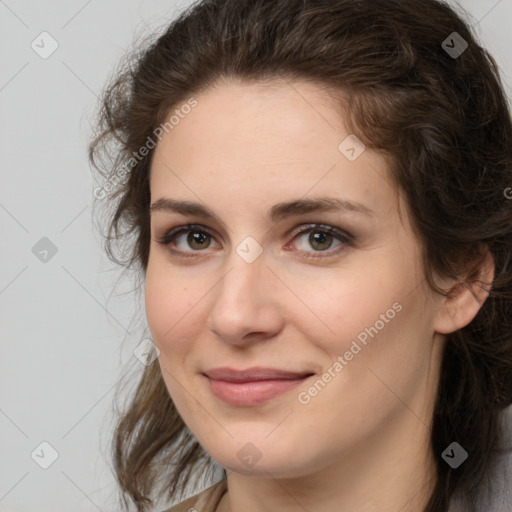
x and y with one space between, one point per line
317 196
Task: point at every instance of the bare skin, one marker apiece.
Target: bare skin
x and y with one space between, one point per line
362 441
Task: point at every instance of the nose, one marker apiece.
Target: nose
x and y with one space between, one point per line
243 308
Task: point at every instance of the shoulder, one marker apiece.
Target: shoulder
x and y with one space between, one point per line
205 501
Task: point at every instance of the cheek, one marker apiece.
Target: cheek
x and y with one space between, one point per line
377 323
171 302
338 305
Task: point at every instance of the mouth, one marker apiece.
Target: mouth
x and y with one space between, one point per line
256 373
254 386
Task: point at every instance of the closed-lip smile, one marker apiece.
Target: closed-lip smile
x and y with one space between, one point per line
252 386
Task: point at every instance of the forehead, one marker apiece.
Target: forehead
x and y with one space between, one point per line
257 121
259 141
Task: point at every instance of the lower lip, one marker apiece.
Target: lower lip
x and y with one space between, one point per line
252 393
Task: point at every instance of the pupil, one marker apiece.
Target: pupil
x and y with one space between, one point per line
196 238
320 238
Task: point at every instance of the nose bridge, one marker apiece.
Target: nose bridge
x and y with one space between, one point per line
246 264
240 284
242 304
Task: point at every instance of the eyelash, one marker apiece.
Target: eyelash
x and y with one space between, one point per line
346 238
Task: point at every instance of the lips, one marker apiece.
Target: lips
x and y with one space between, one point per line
254 374
253 386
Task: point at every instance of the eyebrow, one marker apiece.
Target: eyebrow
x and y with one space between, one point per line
278 212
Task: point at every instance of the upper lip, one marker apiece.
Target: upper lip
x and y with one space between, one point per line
253 374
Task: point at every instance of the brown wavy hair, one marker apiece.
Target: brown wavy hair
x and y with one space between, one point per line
443 123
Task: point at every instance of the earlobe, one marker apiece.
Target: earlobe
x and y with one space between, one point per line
464 299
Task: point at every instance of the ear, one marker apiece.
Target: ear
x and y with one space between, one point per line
464 299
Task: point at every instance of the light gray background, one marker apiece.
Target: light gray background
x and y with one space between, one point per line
64 334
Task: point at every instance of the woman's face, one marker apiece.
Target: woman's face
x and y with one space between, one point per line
257 284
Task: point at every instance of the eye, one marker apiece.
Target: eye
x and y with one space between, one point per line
321 238
197 238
